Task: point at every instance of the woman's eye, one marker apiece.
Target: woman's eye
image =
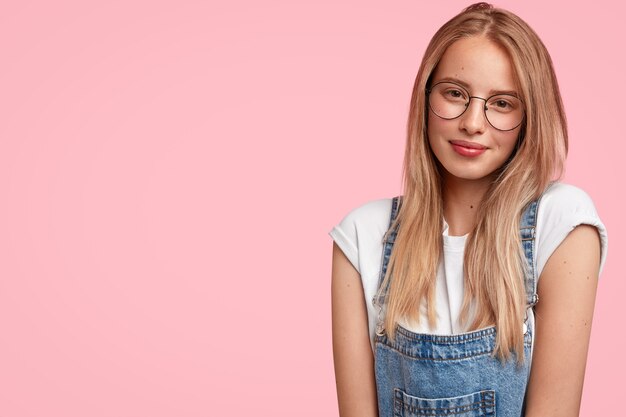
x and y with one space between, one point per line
455 93
501 104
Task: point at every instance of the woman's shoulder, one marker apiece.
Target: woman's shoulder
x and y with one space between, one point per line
562 199
561 195
370 215
362 228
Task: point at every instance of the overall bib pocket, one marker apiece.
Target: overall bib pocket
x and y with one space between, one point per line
477 404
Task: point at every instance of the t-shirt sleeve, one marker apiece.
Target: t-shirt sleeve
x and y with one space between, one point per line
561 209
345 235
359 233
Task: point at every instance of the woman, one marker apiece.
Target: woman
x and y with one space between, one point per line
473 292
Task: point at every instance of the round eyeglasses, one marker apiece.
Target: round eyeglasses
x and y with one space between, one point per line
449 100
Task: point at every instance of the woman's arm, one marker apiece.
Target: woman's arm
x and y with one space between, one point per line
354 362
563 315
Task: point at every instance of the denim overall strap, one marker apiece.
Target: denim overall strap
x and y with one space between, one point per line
389 238
528 225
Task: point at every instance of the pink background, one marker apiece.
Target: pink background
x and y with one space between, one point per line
169 172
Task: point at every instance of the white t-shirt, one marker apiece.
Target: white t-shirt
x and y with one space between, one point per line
359 235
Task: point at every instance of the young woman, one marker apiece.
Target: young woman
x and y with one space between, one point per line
473 292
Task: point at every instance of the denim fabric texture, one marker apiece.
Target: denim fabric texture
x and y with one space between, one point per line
452 375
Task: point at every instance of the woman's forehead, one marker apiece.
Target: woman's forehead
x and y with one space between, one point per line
477 63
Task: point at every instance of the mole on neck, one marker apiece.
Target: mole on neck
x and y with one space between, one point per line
460 196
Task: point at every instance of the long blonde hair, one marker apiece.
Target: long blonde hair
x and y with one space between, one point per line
494 262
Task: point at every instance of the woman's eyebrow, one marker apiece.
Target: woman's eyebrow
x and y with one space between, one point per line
467 87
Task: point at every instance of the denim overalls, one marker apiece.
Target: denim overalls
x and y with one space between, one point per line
452 375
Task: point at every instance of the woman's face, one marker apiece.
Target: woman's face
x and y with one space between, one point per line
484 69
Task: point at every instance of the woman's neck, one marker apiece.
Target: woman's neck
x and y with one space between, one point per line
461 199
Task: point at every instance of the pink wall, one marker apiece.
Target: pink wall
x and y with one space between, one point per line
169 172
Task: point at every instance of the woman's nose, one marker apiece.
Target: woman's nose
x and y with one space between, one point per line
473 119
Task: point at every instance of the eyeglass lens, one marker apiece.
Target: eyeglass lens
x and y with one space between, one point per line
449 101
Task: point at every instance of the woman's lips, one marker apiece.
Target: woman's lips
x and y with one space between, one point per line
465 148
